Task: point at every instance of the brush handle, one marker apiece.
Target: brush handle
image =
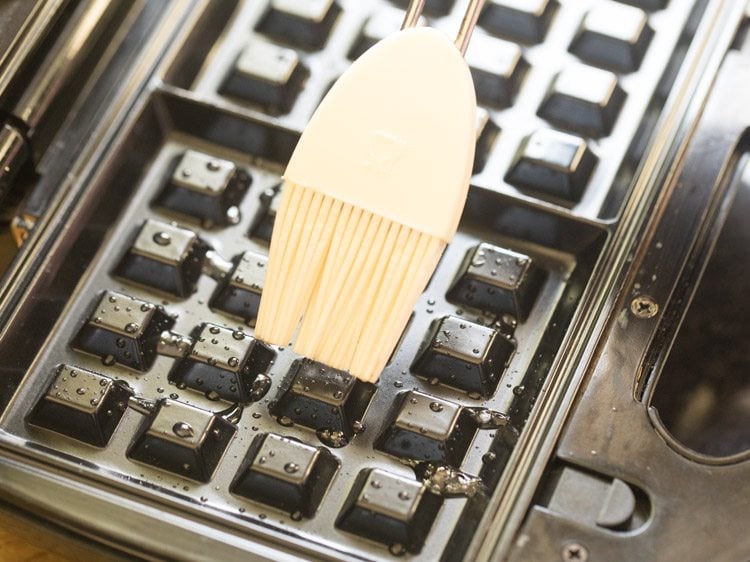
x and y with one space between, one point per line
468 23
412 14
414 11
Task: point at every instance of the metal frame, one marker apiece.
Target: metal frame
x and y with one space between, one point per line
611 428
25 479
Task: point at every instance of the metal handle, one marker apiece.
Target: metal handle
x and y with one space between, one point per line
468 23
414 11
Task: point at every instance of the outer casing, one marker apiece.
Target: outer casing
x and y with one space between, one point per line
607 358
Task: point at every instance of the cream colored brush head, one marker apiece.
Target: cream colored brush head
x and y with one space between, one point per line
372 195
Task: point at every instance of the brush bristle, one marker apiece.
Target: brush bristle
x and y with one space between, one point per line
352 277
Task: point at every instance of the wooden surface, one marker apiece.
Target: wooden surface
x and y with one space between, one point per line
7 249
15 549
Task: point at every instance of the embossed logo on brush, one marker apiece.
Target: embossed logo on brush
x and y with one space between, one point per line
383 151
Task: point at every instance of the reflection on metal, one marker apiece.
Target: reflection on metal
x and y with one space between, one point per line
703 392
58 68
27 23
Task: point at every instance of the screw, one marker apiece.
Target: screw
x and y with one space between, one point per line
574 552
644 306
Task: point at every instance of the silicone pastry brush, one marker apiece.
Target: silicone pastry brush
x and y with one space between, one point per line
372 195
